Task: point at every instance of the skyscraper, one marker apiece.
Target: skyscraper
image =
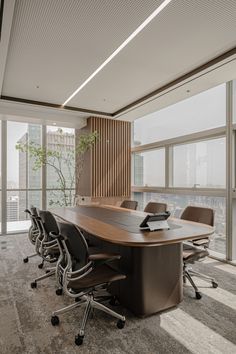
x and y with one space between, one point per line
30 178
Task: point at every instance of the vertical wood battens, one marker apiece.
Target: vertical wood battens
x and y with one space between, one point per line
110 158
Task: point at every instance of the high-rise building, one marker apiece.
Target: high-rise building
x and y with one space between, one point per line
30 178
138 167
12 208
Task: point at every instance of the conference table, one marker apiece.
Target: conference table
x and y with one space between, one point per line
151 260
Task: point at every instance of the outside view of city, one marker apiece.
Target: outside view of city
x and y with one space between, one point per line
24 182
177 203
200 164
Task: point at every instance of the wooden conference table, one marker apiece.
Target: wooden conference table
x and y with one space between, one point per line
152 261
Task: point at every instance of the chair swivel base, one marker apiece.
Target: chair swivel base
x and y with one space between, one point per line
90 305
34 283
188 275
26 259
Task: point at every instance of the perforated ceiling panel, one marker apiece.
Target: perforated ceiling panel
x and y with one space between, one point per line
185 35
56 44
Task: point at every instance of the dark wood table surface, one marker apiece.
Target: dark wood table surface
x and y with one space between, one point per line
121 226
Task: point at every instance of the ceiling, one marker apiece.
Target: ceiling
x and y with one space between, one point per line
49 48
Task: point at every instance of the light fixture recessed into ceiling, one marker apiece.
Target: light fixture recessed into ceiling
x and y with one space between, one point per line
122 46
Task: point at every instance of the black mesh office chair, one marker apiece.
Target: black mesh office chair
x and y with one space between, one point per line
129 204
81 275
197 251
33 232
46 246
155 208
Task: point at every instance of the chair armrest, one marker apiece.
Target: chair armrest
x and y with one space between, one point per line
54 235
201 242
50 244
104 257
71 275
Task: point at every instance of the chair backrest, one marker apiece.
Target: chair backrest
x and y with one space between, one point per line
129 204
32 212
199 214
154 207
75 243
49 222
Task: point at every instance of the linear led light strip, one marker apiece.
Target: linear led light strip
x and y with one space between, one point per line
123 45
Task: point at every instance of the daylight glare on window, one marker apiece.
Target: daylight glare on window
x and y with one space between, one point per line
201 112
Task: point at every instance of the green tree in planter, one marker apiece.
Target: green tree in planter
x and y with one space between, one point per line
66 161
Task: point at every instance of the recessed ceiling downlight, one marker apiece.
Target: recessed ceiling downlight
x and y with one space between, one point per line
123 45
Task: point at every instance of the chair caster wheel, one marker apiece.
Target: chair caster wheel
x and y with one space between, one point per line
79 340
198 295
40 266
33 285
26 260
214 285
120 324
47 271
55 320
59 292
113 301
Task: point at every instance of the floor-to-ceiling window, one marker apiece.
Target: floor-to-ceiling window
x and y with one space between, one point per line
0 179
24 180
179 157
61 171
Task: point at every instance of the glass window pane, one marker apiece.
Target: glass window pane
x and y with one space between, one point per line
0 177
21 173
1 212
16 173
234 101
57 198
60 146
201 112
177 203
201 164
34 174
149 168
35 199
16 217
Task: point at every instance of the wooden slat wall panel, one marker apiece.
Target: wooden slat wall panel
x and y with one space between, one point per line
111 158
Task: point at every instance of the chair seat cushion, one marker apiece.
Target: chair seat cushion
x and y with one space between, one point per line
103 274
192 254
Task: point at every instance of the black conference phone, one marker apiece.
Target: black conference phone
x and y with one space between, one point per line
154 217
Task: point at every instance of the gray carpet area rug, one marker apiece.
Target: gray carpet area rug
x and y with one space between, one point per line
195 326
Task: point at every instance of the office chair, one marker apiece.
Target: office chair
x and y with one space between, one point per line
197 251
33 232
46 246
129 204
82 275
154 208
